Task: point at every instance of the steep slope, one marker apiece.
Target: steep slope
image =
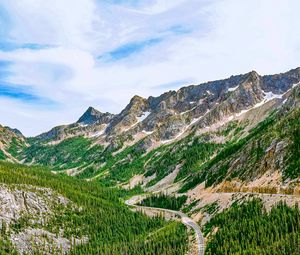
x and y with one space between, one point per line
91 124
173 113
12 142
116 147
42 213
246 228
269 151
92 116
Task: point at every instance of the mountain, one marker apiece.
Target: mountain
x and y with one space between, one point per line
145 125
15 130
215 151
92 116
11 143
174 113
91 124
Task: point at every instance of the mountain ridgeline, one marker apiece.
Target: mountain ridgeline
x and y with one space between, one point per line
208 132
170 114
204 149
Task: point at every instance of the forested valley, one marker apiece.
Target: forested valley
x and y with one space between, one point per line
111 228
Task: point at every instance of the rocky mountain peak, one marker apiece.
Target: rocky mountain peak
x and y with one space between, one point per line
91 116
137 104
253 77
130 115
137 100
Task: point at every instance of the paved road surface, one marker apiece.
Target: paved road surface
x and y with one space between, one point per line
184 218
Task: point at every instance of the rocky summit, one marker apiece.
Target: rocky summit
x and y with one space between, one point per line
92 116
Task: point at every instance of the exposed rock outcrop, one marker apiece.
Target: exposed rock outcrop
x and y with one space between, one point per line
173 113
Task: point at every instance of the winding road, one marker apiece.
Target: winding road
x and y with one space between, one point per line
184 219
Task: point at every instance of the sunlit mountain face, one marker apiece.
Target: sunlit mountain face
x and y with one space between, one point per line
149 127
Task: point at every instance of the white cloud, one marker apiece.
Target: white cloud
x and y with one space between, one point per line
201 40
67 22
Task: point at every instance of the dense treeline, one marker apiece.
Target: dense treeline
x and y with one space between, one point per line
190 153
248 229
164 201
109 225
2 155
293 158
70 153
90 159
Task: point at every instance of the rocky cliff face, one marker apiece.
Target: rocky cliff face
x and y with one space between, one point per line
25 210
175 113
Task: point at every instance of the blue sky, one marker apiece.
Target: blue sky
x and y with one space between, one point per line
129 49
59 57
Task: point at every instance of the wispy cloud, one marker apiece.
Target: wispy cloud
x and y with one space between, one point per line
8 46
130 49
179 30
23 93
136 47
124 2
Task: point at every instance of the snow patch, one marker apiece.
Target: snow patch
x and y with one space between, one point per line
185 129
148 132
233 89
139 119
268 97
83 125
188 110
98 133
144 116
